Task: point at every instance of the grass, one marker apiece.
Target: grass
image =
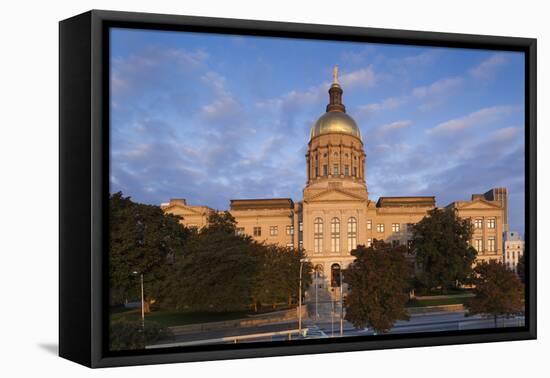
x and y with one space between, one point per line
436 302
172 318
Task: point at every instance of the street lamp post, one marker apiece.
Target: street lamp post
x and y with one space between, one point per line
300 298
142 301
316 294
341 305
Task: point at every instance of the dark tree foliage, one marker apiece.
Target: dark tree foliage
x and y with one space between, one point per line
278 276
498 291
142 238
379 280
216 270
441 244
520 268
126 335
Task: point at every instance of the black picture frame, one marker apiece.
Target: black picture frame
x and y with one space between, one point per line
84 186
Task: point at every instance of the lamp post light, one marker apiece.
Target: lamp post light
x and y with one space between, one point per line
142 301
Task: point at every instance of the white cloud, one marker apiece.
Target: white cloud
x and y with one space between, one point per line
394 126
437 88
387 104
477 118
223 103
487 68
362 78
134 69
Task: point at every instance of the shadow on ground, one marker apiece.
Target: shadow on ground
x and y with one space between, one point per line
50 348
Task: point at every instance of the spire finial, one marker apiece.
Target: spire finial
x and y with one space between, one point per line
335 75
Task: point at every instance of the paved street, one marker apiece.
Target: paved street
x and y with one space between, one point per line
454 321
325 328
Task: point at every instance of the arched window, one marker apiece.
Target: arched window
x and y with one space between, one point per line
335 235
318 271
335 275
318 235
352 233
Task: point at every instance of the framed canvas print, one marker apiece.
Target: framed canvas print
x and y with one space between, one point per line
233 188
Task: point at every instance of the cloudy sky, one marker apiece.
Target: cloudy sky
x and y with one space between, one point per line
210 118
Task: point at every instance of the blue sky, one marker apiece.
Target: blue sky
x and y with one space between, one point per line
210 118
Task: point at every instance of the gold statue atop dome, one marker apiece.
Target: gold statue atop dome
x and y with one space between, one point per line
335 75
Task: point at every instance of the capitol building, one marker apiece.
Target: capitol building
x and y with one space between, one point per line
336 214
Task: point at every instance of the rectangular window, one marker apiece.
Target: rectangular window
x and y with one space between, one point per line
301 226
380 227
239 231
369 224
335 170
273 230
478 245
491 223
395 227
410 227
395 243
346 170
316 171
354 171
301 244
290 230
409 244
478 223
318 235
369 242
257 231
491 244
290 245
325 170
335 235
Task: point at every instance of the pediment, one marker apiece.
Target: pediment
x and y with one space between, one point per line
182 210
335 195
478 204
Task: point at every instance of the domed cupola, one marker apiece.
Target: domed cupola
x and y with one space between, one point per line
335 120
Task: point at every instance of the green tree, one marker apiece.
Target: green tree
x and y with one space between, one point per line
142 238
498 291
440 242
379 281
278 276
216 270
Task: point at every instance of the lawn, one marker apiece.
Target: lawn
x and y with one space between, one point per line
170 318
436 302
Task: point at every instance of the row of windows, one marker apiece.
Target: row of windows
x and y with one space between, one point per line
395 227
491 223
334 234
335 154
273 230
513 255
478 245
335 170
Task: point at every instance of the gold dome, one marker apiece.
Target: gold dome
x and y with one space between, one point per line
335 122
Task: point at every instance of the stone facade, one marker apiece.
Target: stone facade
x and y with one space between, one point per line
514 247
336 213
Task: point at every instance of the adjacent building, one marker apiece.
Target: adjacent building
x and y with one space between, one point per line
336 213
513 249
